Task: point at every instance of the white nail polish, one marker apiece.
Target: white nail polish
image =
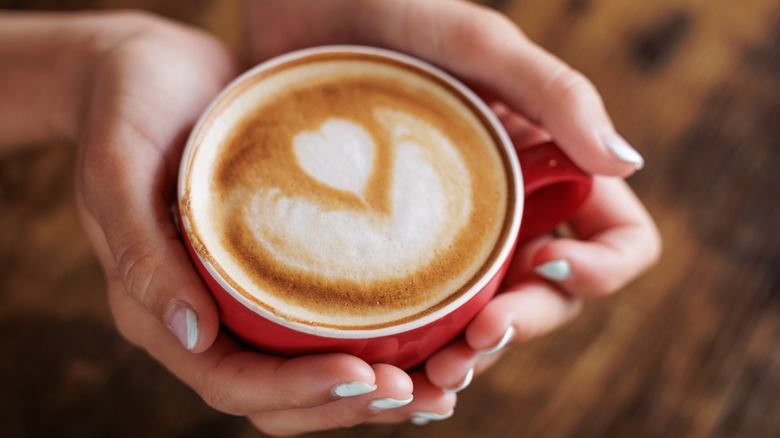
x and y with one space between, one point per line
622 150
463 384
390 403
418 421
508 335
423 418
352 389
555 270
184 324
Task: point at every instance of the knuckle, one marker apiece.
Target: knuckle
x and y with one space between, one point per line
525 332
138 265
217 398
565 88
603 286
645 253
107 30
500 24
570 86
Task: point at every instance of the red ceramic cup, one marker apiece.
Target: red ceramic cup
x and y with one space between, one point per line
552 189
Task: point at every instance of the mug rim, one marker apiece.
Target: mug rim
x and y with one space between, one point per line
515 185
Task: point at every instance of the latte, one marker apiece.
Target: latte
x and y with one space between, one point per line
347 191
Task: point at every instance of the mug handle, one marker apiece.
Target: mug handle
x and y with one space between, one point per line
554 186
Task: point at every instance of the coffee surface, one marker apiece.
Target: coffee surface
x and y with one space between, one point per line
350 193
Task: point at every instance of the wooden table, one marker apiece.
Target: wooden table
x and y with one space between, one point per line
690 349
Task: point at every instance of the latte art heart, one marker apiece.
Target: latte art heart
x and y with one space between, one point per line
340 154
429 206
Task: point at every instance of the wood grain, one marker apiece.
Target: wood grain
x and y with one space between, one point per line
690 349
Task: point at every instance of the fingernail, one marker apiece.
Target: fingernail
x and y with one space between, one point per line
622 150
463 384
418 421
184 324
423 418
508 335
555 270
390 403
352 389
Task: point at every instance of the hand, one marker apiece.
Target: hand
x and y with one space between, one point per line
538 98
150 80
550 277
482 47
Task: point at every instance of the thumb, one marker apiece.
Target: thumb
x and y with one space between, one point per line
135 120
155 269
124 209
149 260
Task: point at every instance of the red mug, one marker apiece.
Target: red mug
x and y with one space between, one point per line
552 189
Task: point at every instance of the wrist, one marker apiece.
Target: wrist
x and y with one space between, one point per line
41 79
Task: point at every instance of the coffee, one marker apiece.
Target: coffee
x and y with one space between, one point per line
347 191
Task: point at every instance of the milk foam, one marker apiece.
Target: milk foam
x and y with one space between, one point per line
429 207
340 154
343 209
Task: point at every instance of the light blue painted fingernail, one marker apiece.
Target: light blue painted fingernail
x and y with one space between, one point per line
463 384
555 270
352 389
184 324
390 403
508 335
423 418
418 421
622 150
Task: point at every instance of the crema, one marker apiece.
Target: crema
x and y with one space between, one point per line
347 191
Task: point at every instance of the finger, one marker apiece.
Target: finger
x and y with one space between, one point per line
485 47
525 311
153 265
430 404
172 274
452 368
620 241
128 163
240 382
484 362
394 390
455 367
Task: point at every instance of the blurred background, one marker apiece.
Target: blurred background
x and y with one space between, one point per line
689 349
